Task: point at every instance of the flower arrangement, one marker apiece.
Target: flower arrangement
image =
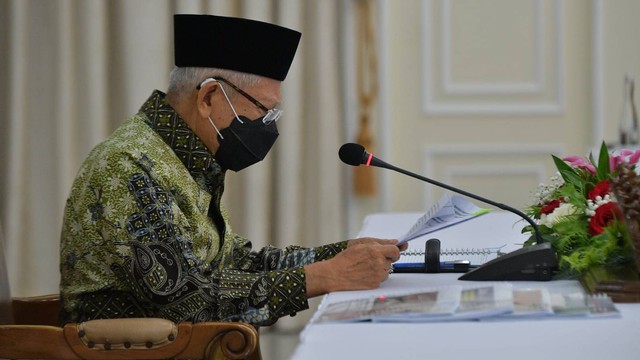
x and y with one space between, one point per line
577 212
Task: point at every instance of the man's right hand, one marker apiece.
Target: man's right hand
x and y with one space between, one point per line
358 267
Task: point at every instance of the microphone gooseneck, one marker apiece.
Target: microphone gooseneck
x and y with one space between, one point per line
356 155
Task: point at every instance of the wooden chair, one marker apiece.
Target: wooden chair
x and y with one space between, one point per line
35 335
36 310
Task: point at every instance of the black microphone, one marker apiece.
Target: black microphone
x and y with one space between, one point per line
533 262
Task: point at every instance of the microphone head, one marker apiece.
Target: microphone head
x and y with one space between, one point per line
351 154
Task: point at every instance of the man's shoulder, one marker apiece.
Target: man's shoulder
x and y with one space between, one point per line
119 155
132 138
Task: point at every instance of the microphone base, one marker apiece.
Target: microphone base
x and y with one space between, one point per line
531 263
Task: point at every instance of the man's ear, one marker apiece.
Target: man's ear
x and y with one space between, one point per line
205 101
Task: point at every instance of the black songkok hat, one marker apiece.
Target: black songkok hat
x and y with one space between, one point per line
243 45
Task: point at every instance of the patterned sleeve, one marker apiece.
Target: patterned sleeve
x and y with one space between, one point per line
274 279
272 258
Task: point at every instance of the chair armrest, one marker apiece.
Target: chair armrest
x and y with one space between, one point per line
144 338
136 333
36 310
33 342
235 340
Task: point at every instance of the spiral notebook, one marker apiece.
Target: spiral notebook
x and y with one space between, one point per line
462 259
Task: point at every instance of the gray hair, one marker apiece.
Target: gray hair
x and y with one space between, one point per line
184 80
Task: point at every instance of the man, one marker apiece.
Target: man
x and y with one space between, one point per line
144 233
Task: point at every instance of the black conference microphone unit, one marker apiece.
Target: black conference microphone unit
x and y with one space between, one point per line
535 262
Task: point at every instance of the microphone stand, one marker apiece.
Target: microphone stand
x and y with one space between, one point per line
535 262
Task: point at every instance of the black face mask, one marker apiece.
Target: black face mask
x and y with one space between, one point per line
243 144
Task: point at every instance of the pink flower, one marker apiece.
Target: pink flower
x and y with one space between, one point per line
614 161
578 162
629 156
633 159
573 159
625 155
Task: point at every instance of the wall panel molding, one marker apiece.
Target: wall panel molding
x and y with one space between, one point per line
452 88
535 169
469 98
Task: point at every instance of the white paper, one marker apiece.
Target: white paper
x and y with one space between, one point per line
449 210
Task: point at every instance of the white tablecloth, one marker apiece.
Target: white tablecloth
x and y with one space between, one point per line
579 338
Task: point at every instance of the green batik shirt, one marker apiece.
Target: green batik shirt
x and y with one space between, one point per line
144 235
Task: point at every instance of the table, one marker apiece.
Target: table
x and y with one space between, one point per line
579 338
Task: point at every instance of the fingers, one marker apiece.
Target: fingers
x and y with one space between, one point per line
386 241
382 271
376 241
364 266
390 252
380 255
384 259
372 241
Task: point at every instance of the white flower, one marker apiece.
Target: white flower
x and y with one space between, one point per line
593 205
557 215
545 192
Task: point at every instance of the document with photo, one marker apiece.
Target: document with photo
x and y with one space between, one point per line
393 307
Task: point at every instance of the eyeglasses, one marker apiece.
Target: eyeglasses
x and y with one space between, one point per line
271 114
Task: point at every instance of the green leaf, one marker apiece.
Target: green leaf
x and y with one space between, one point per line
568 173
603 163
575 195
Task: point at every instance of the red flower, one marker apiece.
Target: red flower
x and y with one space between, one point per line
601 189
604 216
550 206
